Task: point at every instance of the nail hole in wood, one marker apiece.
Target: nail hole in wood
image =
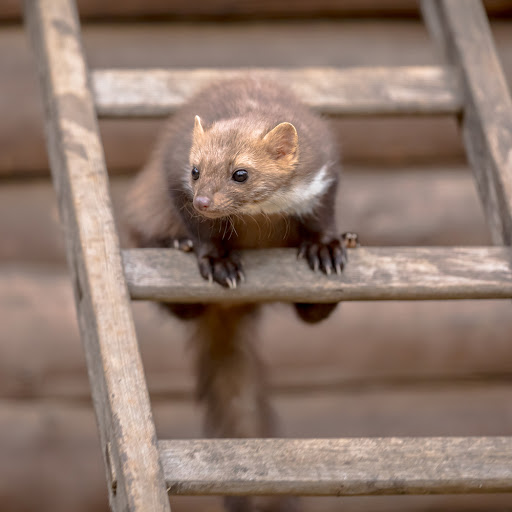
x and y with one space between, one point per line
111 469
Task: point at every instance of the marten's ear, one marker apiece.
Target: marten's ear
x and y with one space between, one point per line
198 127
282 142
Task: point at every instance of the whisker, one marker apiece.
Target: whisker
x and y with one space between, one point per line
225 229
255 220
233 229
286 225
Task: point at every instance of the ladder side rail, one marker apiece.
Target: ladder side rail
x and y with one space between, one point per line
462 30
120 397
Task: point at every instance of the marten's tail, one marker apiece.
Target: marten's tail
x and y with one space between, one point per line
231 384
230 377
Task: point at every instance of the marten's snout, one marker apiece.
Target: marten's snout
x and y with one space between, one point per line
202 203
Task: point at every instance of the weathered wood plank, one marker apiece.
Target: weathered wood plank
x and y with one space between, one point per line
350 91
392 273
462 29
127 432
339 467
51 445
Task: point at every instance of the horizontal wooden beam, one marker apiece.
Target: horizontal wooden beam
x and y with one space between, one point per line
334 91
391 273
339 467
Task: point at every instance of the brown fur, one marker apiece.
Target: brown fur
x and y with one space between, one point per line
261 127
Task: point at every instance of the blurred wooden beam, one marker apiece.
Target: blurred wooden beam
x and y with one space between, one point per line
225 10
421 90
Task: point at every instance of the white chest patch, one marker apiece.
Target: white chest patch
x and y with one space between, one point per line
299 199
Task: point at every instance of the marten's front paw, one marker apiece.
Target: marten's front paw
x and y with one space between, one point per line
226 271
329 258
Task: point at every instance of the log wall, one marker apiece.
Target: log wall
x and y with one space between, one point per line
372 369
368 141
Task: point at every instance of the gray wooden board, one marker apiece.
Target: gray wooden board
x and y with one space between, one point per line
349 91
127 432
390 273
339 467
462 29
51 445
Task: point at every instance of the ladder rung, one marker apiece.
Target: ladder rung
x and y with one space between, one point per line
385 273
339 467
349 91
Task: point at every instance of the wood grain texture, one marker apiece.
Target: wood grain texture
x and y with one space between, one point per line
391 273
462 29
128 439
350 91
339 467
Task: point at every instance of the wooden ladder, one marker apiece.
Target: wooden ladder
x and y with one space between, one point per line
142 470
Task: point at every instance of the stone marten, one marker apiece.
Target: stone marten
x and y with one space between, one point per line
243 164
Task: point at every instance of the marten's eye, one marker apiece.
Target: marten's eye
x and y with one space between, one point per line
195 173
240 175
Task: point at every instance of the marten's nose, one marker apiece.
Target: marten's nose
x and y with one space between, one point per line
202 202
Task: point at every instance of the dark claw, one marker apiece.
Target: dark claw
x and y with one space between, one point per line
330 257
312 257
339 257
326 259
227 271
205 268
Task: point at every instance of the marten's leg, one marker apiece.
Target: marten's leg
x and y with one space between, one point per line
313 313
261 504
323 249
232 386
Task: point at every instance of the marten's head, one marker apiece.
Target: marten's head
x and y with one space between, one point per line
236 167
